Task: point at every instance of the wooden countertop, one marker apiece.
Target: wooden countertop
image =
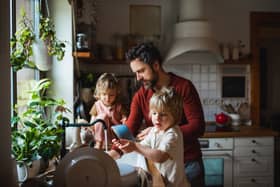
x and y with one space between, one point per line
244 131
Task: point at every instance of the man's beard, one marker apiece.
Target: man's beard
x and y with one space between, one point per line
151 83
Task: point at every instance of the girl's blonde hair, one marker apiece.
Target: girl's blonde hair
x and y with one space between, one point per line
104 82
167 100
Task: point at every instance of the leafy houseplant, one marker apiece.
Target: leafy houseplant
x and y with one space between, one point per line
24 38
87 80
36 132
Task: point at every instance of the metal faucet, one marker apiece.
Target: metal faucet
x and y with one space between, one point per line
66 123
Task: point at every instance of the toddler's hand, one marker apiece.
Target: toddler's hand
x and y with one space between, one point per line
125 145
82 121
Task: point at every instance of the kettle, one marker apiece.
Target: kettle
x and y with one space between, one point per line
221 118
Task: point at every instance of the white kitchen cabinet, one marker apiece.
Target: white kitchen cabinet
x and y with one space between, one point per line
253 182
253 162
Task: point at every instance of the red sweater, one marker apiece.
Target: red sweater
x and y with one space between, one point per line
192 124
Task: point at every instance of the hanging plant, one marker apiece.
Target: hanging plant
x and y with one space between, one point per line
21 44
23 41
48 35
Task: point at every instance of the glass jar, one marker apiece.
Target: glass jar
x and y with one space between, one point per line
82 42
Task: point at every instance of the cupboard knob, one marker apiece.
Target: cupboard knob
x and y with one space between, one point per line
217 145
253 160
253 180
253 141
253 151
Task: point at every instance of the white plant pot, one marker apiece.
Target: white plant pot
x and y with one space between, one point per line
41 57
24 172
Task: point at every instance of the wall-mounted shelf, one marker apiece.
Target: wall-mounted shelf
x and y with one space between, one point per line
244 60
82 54
92 61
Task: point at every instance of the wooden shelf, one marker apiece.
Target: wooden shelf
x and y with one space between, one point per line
245 60
82 54
92 61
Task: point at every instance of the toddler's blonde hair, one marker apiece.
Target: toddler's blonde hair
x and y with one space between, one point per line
167 100
104 82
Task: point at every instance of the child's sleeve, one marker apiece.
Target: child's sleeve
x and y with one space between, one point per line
169 144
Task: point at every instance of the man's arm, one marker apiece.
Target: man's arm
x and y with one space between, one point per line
135 117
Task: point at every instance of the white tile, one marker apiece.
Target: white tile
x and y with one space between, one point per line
212 93
195 77
203 94
204 77
204 85
213 68
196 68
212 77
212 85
204 68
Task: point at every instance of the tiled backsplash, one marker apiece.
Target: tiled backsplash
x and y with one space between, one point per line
207 80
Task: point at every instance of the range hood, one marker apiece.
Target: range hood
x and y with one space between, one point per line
193 39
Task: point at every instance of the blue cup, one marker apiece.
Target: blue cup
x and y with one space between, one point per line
122 132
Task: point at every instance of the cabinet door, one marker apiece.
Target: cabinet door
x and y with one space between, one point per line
253 182
253 166
254 151
254 141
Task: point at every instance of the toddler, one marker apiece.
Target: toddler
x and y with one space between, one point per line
164 143
107 108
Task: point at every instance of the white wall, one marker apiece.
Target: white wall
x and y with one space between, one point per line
6 170
62 72
230 18
113 17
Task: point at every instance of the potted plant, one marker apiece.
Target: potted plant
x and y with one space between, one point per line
37 131
24 40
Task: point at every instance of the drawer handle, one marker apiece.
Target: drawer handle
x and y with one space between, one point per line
253 160
253 151
254 141
253 180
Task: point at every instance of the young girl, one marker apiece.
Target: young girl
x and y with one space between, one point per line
164 143
107 108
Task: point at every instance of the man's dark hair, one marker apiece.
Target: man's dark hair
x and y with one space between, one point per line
145 52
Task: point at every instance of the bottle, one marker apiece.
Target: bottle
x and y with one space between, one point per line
119 48
226 52
235 53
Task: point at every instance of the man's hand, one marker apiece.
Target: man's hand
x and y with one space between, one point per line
143 133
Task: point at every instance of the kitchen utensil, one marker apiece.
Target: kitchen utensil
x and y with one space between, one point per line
228 108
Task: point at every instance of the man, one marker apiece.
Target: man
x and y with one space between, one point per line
146 62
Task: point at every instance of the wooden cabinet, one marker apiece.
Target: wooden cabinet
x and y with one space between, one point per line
253 162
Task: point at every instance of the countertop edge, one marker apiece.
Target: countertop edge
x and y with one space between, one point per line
243 132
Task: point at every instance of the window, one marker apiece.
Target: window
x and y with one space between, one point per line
25 78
